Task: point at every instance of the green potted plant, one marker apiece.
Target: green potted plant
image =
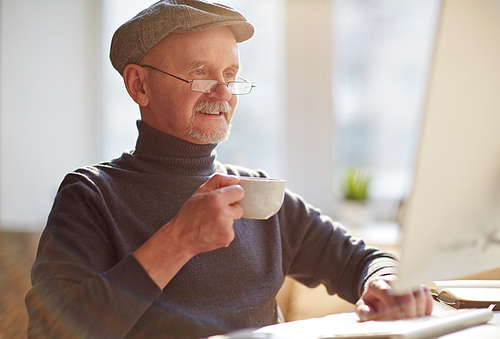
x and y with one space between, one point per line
356 183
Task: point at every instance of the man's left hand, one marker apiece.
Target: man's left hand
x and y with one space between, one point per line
378 302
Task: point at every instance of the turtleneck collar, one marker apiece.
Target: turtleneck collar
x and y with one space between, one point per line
167 153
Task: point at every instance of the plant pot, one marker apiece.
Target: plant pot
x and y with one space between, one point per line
354 213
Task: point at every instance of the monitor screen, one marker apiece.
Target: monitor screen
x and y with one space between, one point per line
451 227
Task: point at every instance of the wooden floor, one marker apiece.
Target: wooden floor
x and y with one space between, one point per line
17 253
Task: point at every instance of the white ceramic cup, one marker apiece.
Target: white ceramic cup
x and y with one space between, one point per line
263 197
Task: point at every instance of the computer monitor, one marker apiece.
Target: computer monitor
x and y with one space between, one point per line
451 227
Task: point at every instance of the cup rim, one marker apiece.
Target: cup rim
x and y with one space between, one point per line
262 179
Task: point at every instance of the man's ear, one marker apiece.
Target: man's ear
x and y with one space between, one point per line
134 77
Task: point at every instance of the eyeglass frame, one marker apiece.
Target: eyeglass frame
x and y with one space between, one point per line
216 84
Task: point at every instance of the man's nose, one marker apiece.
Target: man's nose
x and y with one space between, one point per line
221 92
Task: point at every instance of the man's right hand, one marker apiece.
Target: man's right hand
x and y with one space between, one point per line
204 223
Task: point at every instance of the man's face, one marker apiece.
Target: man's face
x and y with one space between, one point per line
173 107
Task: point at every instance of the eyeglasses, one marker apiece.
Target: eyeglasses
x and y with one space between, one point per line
209 86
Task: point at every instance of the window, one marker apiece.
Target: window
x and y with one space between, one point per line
382 51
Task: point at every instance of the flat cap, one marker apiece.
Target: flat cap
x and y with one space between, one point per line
137 36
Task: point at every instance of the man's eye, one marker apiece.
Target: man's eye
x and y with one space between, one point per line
229 75
198 72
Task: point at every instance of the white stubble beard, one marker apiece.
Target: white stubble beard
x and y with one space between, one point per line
214 136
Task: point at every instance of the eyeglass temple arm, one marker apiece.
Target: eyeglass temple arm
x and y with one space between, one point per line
246 80
159 70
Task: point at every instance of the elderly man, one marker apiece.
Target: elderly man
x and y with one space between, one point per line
152 244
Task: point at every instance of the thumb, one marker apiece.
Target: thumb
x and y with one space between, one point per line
363 311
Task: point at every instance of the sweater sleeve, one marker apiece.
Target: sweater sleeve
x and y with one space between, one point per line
82 286
376 268
317 250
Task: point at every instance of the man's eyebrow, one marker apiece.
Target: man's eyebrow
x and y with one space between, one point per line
196 64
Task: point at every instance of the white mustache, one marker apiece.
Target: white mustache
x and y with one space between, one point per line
211 107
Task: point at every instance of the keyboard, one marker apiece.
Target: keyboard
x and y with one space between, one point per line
426 327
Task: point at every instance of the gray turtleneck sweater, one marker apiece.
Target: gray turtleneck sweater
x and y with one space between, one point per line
87 284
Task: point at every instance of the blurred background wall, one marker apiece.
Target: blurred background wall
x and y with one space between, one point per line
49 102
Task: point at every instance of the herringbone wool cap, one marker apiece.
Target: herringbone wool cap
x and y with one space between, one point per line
138 35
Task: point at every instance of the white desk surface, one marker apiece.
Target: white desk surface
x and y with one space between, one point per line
491 330
311 328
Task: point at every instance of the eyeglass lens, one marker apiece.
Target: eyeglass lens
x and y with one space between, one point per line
209 86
